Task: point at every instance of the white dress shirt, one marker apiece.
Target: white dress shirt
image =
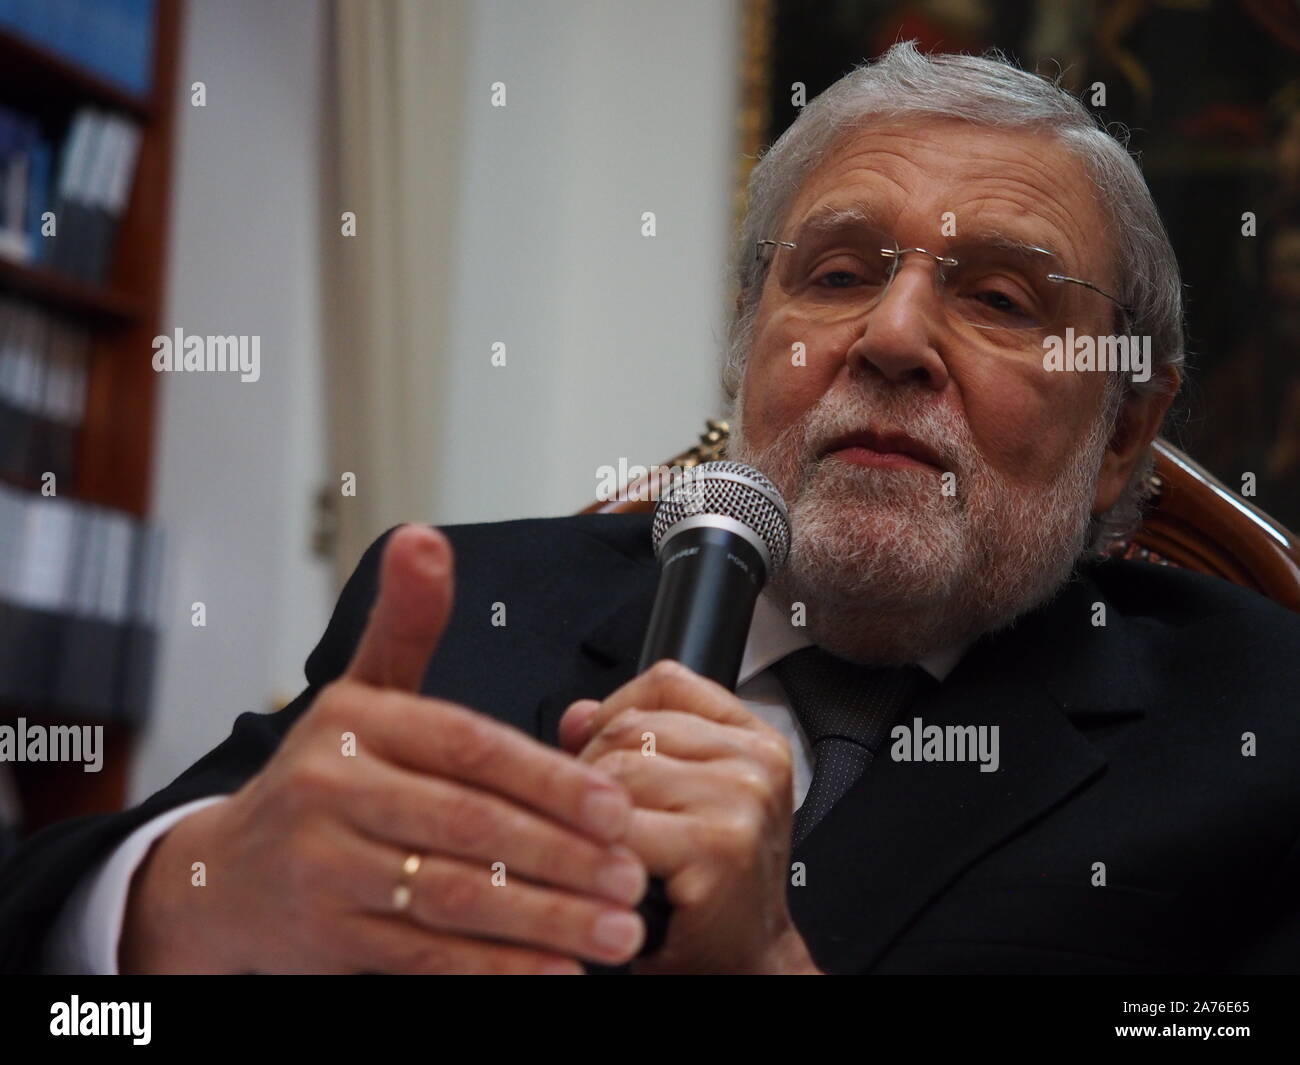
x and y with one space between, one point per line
85 937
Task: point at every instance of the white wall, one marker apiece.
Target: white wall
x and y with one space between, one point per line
236 463
613 339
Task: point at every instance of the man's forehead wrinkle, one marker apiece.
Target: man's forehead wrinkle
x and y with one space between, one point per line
884 152
1013 195
839 182
1053 228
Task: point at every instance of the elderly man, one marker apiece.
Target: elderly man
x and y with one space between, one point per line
925 232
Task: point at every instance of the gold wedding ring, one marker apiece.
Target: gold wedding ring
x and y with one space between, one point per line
402 892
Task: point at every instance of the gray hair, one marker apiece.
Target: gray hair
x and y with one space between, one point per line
986 91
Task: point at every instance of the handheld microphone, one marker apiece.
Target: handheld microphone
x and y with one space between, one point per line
720 533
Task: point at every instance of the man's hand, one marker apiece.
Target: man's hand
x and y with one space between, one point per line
712 787
302 862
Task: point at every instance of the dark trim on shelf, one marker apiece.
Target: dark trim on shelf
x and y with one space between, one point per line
67 294
28 71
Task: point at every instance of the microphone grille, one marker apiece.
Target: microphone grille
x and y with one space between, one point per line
732 490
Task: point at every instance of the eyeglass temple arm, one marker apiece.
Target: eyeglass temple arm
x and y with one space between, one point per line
758 250
1100 291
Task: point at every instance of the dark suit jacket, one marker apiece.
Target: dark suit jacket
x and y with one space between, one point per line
1120 744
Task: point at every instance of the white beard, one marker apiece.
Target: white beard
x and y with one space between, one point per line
888 567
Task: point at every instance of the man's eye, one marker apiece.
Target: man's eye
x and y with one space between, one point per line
839 278
846 272
998 301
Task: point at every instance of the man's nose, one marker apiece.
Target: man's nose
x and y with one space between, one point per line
900 334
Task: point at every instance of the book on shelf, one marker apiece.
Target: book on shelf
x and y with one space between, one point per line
79 588
44 362
78 608
84 180
19 137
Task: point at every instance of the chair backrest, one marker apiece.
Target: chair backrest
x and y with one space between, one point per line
1193 520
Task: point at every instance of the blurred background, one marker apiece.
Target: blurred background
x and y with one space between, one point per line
484 248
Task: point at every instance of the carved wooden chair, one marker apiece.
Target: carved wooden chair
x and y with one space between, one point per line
1193 520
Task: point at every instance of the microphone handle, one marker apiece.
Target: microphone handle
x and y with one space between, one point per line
709 580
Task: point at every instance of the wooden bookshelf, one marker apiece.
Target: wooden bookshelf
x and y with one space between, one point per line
114 460
68 295
115 444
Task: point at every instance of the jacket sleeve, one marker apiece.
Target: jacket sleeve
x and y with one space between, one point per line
38 877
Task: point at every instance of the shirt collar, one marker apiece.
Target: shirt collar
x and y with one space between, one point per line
772 637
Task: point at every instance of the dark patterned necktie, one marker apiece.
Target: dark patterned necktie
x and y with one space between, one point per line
846 710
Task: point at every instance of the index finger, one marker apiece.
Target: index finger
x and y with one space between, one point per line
457 743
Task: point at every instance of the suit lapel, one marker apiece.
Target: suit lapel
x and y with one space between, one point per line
907 829
607 655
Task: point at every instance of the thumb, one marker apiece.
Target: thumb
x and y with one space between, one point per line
410 611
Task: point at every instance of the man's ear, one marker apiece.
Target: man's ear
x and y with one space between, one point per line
1138 422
